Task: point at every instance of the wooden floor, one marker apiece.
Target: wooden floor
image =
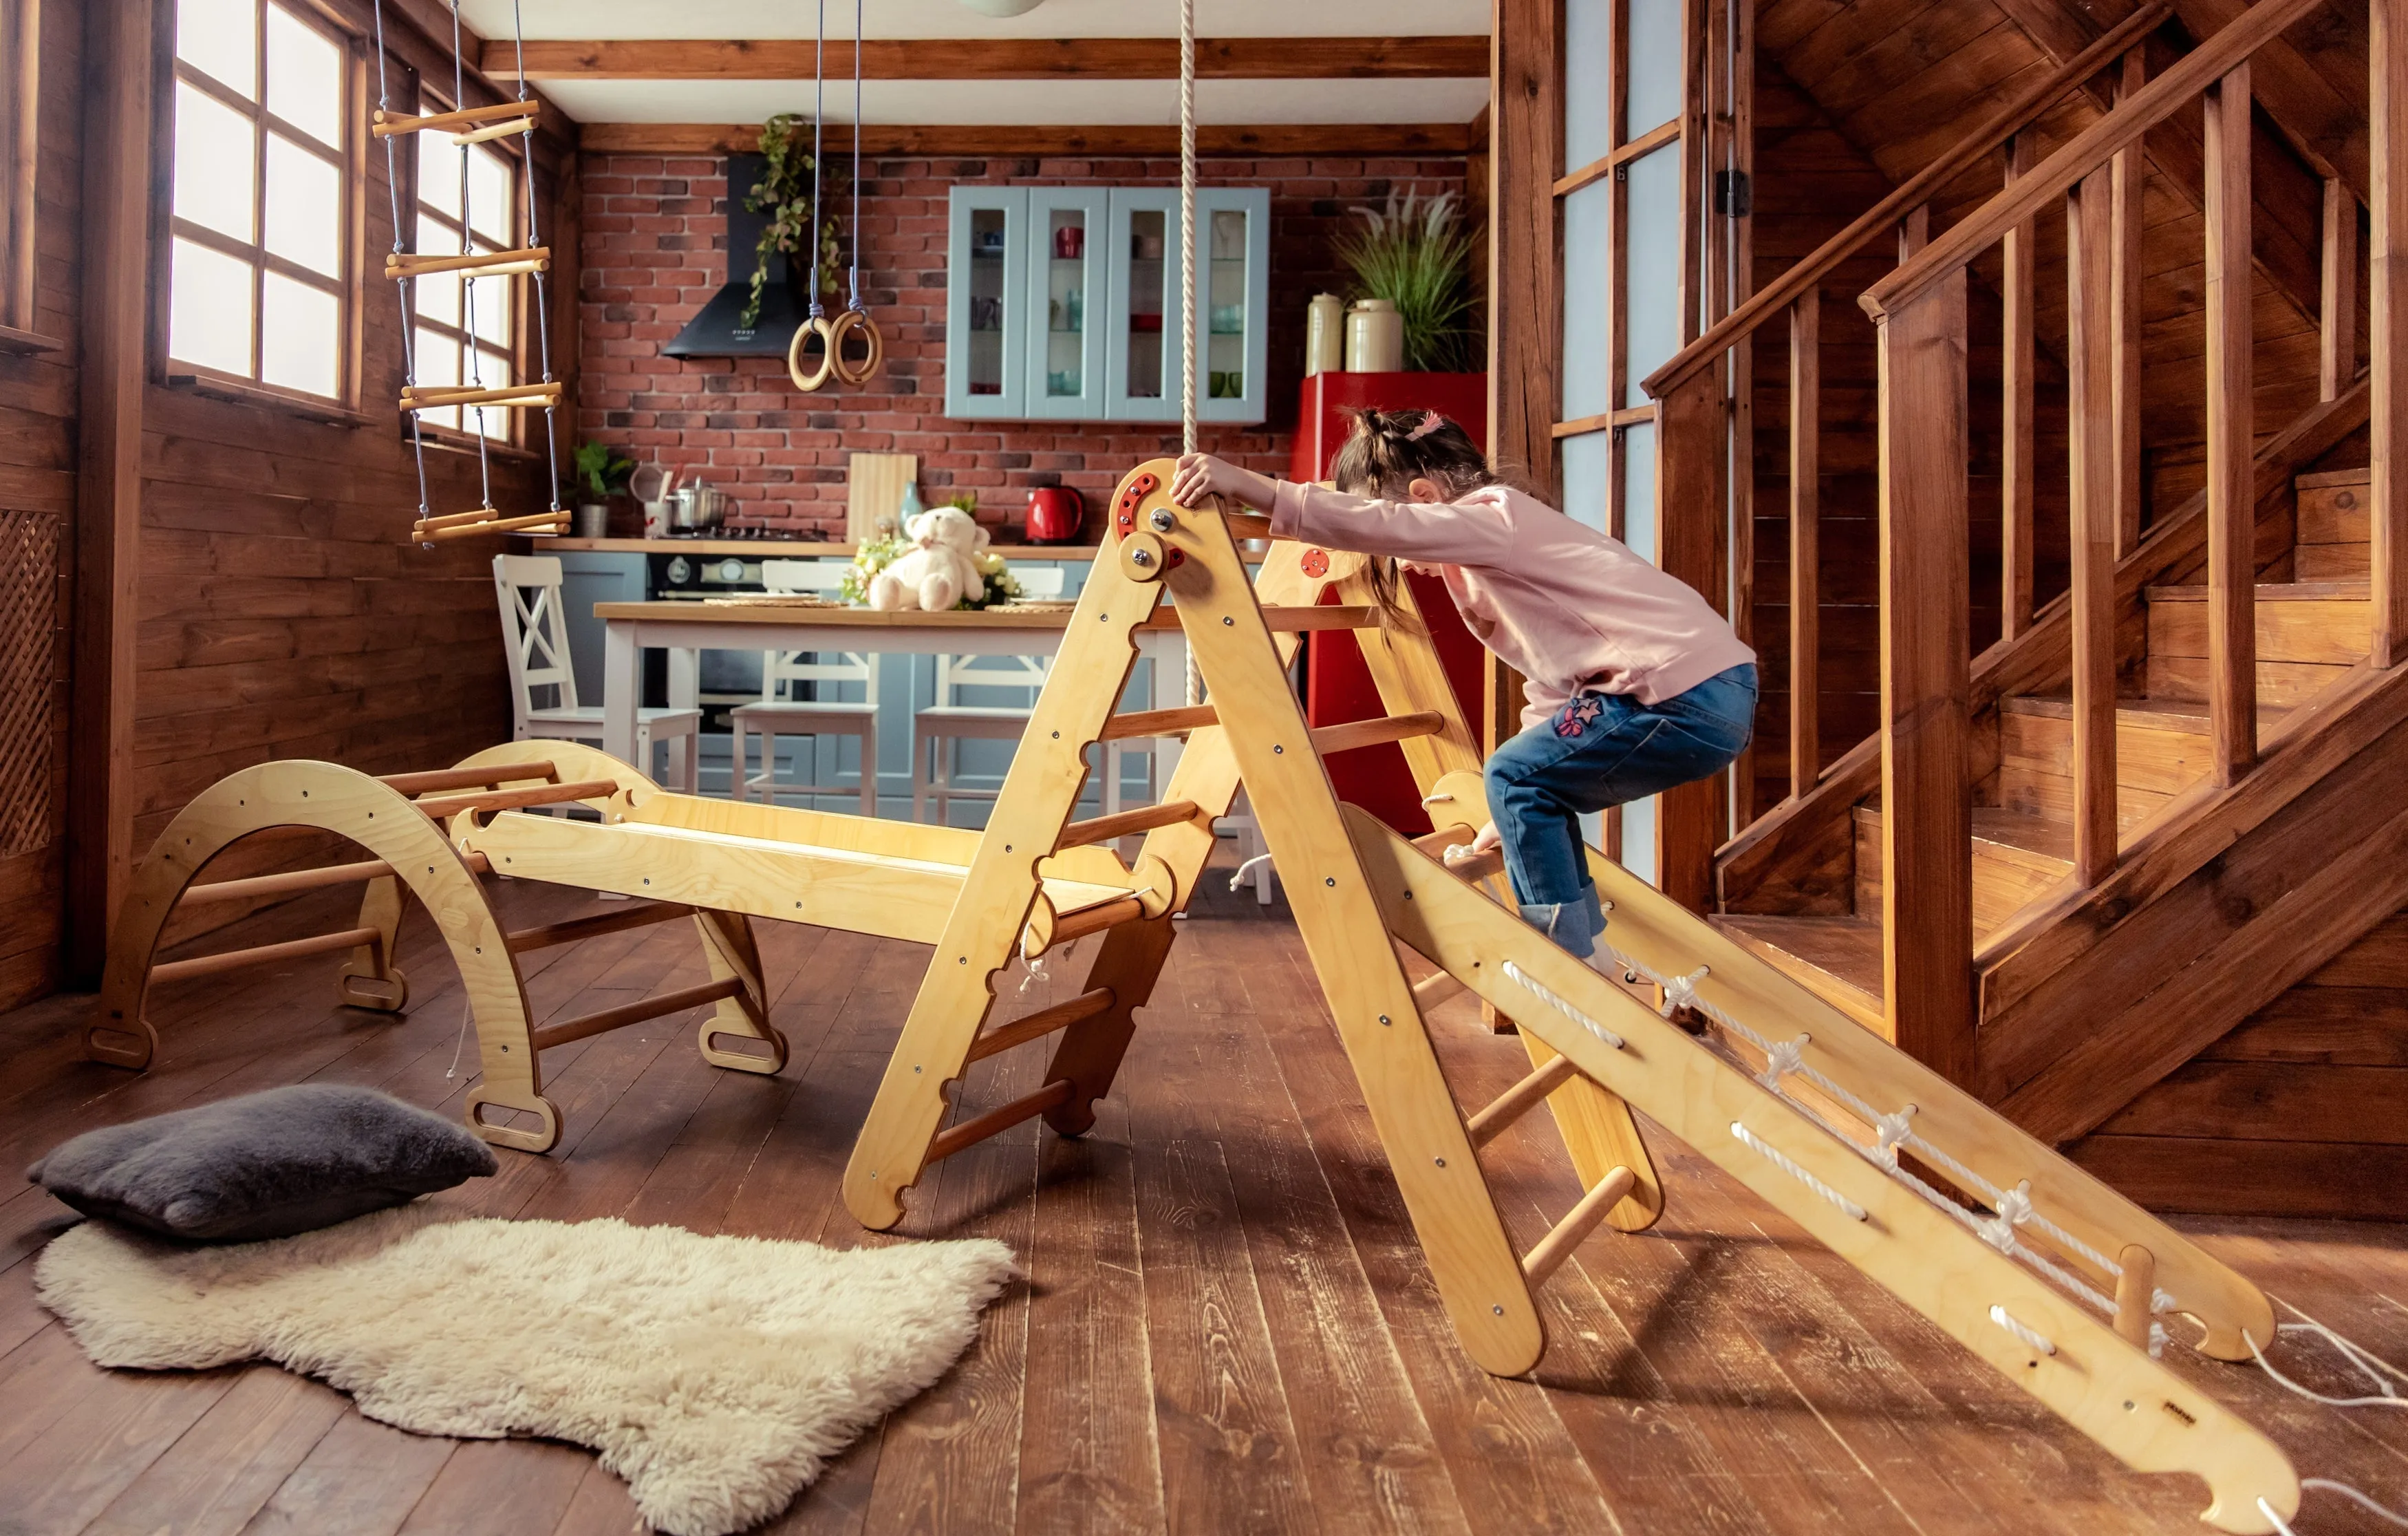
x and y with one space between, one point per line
1226 1328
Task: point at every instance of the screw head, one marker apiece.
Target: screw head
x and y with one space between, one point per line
1329 879
1440 1161
1142 557
1162 520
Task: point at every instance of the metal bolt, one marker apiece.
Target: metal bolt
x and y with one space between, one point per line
1440 1161
1384 1018
1498 1311
1226 621
1162 520
1329 879
1141 557
1277 750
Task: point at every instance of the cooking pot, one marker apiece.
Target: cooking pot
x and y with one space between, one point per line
698 507
1056 514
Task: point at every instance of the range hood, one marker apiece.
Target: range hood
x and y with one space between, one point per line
714 333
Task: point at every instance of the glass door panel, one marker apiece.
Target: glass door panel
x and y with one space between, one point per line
1141 352
1233 241
985 319
1069 279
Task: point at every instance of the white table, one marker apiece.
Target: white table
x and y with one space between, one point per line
687 630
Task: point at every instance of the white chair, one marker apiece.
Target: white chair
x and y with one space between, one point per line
535 630
938 728
794 715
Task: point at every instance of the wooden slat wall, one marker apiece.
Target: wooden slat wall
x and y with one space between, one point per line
37 416
282 612
2295 1112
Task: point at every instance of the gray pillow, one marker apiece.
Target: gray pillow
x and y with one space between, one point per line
266 1165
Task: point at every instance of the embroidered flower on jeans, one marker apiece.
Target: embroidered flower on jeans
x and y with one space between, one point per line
1576 716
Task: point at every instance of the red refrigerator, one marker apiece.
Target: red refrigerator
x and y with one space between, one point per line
1337 686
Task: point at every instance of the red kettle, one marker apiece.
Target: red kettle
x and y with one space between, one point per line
1056 514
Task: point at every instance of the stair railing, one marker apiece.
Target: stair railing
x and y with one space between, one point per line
1694 418
1919 311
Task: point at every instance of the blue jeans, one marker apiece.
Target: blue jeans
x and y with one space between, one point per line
1602 750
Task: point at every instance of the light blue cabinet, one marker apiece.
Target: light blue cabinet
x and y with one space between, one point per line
1064 302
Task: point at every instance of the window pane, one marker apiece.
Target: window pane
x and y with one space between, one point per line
213 164
439 364
305 77
217 37
300 336
1653 330
1588 284
305 207
208 308
1588 55
489 310
489 196
438 171
1655 63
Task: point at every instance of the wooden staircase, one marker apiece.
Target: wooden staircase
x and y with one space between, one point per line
2312 633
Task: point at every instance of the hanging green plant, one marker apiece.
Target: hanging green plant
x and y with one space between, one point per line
784 194
1417 255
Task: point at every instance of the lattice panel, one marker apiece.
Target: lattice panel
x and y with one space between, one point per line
29 621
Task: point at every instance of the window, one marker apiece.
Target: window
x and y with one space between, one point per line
260 251
468 204
20 103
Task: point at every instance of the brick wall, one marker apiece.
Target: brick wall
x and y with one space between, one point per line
654 251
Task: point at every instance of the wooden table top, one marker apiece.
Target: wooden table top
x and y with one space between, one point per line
846 618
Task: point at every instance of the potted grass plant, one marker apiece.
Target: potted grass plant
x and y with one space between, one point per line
1415 255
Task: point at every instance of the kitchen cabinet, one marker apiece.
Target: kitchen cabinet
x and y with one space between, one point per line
1063 303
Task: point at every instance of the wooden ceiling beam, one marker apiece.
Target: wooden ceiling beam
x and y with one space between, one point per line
996 59
1213 141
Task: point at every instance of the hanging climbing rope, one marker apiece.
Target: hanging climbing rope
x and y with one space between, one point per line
469 126
1195 689
816 323
855 319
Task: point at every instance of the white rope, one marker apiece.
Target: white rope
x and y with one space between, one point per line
1187 262
1514 973
467 1011
2377 1370
2331 1487
1893 1132
2033 1338
1781 1161
1238 880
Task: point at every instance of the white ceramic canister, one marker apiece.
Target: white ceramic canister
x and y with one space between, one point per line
1325 335
1375 338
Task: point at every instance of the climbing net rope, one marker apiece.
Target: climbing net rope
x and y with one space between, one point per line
472 394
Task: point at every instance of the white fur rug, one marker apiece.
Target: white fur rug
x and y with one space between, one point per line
716 1374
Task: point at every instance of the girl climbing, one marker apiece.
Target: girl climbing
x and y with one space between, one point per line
1635 684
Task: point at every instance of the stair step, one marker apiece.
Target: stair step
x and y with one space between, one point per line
1839 959
2309 632
2016 858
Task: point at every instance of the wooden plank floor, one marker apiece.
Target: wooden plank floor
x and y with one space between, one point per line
1227 1326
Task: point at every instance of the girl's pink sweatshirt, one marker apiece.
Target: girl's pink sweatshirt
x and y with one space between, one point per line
1570 609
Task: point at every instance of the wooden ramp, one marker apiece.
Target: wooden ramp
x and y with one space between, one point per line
2053 1278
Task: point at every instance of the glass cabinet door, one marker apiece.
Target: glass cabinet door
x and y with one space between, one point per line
1233 298
1066 302
1141 326
986 319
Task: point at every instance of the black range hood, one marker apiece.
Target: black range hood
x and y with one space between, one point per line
714 332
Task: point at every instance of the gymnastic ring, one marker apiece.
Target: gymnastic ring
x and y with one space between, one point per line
810 382
844 325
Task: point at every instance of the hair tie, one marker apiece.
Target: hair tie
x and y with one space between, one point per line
1431 422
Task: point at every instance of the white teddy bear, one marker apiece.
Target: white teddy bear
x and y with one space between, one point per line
941 567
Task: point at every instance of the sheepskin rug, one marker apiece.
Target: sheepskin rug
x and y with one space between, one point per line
716 1374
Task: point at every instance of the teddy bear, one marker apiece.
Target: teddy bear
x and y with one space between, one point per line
941 567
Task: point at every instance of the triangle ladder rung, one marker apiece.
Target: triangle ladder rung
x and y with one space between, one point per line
1566 1235
1519 1100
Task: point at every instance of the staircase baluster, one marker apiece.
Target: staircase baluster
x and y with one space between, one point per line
2128 170
2017 468
1805 540
2231 479
2388 320
2090 373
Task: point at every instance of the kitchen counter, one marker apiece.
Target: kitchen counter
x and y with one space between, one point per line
784 549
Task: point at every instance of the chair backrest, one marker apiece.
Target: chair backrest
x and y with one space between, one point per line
534 631
1025 675
782 671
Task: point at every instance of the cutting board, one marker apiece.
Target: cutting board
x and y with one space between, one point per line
873 491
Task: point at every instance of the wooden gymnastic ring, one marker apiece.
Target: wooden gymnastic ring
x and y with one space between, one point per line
809 383
844 325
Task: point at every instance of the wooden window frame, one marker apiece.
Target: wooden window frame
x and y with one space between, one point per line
349 159
521 163
21 105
